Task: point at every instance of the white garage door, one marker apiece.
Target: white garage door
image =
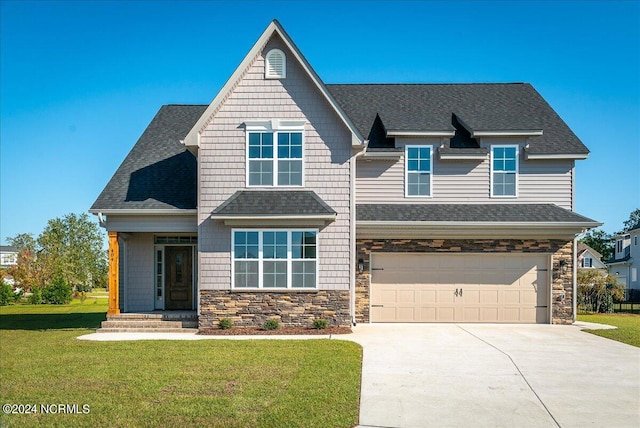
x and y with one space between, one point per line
508 288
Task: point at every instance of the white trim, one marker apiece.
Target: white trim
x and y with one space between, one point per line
289 260
517 170
395 133
533 156
192 138
462 156
274 127
508 133
406 169
372 155
143 211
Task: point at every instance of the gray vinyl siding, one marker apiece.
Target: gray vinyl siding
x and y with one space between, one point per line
138 287
464 182
221 162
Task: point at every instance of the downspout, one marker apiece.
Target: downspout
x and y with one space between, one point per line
574 288
352 232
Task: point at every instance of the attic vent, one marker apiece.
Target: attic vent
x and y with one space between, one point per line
276 65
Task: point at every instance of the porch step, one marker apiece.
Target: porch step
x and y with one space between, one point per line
147 330
150 322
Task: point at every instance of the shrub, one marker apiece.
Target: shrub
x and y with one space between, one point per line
597 291
35 298
58 292
320 323
272 324
6 294
225 324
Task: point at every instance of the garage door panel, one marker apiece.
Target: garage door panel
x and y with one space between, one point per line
494 288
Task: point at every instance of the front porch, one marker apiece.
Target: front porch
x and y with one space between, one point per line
156 321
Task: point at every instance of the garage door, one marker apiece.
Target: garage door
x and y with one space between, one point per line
508 288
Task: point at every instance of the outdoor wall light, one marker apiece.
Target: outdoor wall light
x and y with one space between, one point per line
564 266
360 266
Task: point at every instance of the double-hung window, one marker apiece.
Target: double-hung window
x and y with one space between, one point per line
275 259
418 169
274 154
504 171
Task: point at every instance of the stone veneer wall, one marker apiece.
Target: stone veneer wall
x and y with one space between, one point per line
291 308
562 309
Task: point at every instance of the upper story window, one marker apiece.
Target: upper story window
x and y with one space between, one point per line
275 65
418 169
587 262
275 154
504 171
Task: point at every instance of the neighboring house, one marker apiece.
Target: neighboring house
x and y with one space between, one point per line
588 258
287 197
8 258
624 264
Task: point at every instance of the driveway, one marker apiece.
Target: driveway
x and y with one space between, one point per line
479 375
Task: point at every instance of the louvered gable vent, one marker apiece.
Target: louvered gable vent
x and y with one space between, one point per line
276 65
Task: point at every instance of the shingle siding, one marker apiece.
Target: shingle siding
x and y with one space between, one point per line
139 275
221 159
464 182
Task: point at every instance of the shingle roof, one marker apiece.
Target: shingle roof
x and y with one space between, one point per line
582 247
499 213
273 203
430 107
158 173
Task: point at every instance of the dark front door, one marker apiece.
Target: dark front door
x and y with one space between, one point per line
179 278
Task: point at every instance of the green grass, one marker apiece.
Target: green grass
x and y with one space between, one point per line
219 383
628 330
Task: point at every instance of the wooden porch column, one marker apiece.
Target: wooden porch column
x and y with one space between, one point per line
114 274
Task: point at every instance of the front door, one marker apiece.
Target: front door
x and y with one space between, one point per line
179 278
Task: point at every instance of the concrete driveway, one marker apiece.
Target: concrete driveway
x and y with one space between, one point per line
479 375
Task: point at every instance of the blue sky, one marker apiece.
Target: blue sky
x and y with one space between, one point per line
79 81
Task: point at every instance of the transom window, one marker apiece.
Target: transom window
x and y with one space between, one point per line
274 258
418 167
274 158
504 170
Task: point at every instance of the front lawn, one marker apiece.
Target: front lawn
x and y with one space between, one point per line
628 330
220 383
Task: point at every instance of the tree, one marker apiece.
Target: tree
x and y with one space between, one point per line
600 241
634 219
597 291
28 272
71 248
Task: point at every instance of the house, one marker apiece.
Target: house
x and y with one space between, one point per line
8 256
588 258
291 198
624 262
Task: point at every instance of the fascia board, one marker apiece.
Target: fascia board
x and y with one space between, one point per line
274 217
274 27
397 133
143 212
507 133
574 156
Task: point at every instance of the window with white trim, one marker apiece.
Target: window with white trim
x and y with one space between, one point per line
587 262
275 155
504 171
274 259
418 168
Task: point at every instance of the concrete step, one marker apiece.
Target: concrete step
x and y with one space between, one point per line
147 330
142 324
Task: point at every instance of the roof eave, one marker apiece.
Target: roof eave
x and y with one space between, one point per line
465 230
507 133
140 211
555 156
399 133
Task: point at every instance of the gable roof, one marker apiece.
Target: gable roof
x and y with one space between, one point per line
481 108
582 248
192 140
158 173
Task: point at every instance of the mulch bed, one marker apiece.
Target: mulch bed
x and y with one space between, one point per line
280 331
